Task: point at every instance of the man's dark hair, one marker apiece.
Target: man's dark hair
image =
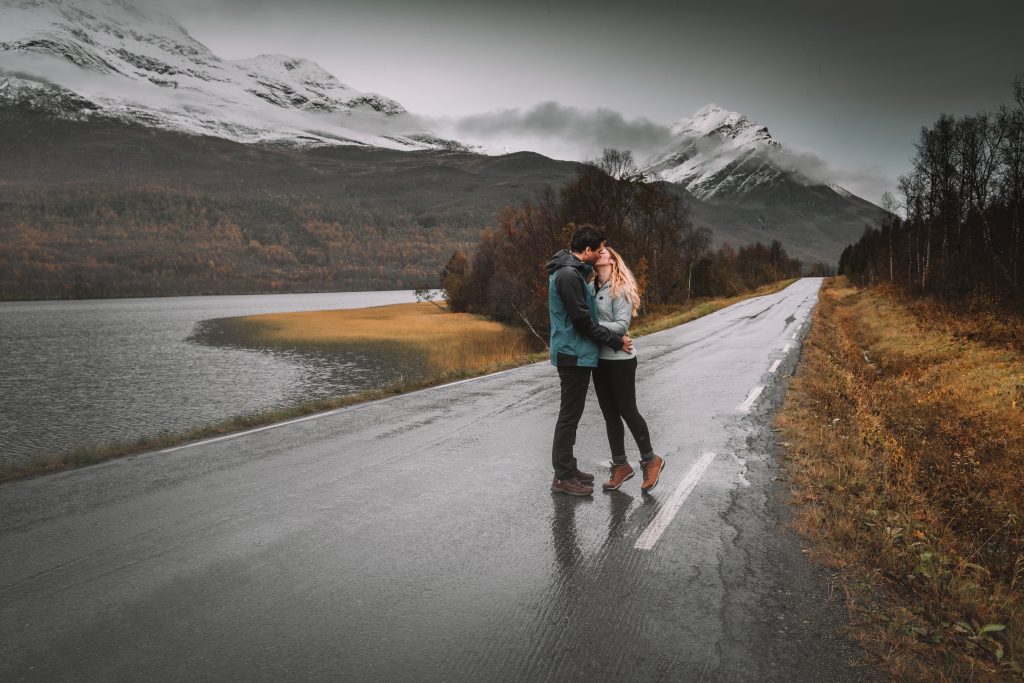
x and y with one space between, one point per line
585 236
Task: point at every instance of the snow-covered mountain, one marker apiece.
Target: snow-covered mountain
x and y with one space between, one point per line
746 185
722 156
717 152
109 58
102 76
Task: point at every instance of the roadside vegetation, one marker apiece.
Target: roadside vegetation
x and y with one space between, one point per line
457 346
904 439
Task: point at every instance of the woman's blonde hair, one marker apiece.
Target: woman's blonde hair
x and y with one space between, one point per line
622 280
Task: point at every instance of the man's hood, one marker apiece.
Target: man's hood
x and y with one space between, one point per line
563 259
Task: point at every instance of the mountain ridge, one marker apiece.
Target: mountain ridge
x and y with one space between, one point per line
143 67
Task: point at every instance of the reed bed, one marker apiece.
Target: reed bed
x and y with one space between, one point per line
449 343
905 453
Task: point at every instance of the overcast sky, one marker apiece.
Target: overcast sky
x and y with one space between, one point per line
850 81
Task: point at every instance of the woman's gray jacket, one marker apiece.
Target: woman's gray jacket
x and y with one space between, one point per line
615 314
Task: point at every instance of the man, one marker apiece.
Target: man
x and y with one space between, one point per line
575 337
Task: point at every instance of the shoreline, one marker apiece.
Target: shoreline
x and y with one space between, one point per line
138 297
51 463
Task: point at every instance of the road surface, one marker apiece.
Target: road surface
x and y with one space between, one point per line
416 538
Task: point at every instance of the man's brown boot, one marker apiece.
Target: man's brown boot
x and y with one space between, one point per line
652 472
583 477
571 487
620 473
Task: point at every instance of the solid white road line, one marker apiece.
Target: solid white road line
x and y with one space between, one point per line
664 517
329 413
749 400
250 431
775 366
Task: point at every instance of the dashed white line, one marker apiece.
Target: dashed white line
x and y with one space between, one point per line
775 366
664 517
788 347
749 400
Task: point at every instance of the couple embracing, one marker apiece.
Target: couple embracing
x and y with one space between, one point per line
590 337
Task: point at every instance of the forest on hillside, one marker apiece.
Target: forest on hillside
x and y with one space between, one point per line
105 209
90 243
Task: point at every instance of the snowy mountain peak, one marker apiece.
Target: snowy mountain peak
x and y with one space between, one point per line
714 120
716 151
112 59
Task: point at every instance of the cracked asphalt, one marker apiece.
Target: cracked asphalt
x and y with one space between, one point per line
415 538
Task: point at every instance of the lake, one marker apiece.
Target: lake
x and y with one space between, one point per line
86 373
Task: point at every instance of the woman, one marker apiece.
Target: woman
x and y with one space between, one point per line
618 300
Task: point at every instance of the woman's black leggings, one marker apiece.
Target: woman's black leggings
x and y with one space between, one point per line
615 383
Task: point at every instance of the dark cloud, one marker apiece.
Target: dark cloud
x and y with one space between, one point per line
588 129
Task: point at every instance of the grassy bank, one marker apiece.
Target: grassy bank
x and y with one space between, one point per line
904 430
448 343
455 346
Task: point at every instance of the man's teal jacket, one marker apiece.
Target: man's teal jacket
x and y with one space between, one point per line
575 334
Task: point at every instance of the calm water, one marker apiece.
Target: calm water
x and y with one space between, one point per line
79 373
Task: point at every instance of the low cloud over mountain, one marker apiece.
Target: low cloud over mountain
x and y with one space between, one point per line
563 132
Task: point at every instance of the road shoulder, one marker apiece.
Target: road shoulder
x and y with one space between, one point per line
794 609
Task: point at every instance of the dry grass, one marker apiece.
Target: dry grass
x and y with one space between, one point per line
905 455
450 343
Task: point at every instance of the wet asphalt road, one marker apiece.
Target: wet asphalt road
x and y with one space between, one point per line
415 538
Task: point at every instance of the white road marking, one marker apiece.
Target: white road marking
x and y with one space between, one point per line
664 517
250 431
749 400
788 347
775 366
328 413
796 334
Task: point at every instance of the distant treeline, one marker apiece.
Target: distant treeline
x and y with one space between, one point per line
89 242
963 236
673 260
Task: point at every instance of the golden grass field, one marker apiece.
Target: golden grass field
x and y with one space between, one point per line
904 429
450 343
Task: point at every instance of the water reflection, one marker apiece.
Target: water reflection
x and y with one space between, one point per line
624 520
564 537
82 373
618 507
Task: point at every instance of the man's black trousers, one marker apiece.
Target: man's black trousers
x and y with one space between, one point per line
575 381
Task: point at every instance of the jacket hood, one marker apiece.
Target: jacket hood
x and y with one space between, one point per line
563 259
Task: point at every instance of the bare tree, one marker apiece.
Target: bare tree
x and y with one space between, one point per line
696 246
890 206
